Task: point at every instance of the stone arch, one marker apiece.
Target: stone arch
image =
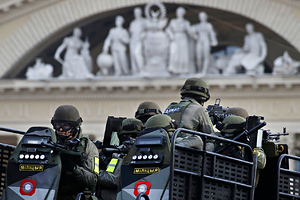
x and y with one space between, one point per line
278 15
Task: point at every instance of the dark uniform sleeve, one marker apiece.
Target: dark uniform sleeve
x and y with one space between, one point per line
86 175
110 177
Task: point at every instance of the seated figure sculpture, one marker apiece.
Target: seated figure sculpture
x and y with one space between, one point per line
251 56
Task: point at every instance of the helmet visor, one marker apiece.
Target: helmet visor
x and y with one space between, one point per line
62 125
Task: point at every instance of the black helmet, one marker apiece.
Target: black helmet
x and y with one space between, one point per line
146 110
195 86
69 115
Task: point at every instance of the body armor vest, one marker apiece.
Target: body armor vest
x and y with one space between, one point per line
176 110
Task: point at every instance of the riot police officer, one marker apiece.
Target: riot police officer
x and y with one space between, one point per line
108 180
230 127
79 174
146 110
261 157
130 128
189 112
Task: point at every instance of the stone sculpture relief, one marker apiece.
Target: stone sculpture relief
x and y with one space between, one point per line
153 46
39 71
285 65
76 63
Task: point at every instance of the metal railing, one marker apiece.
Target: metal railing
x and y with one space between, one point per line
201 174
288 184
5 153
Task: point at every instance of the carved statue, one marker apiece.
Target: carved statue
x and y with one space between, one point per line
117 40
285 65
156 43
206 37
74 64
251 55
178 31
85 52
137 34
40 71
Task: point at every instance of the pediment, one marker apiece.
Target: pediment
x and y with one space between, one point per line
230 32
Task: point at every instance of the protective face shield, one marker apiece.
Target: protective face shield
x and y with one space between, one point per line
62 125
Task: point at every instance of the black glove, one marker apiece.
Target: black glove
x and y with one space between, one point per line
67 163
